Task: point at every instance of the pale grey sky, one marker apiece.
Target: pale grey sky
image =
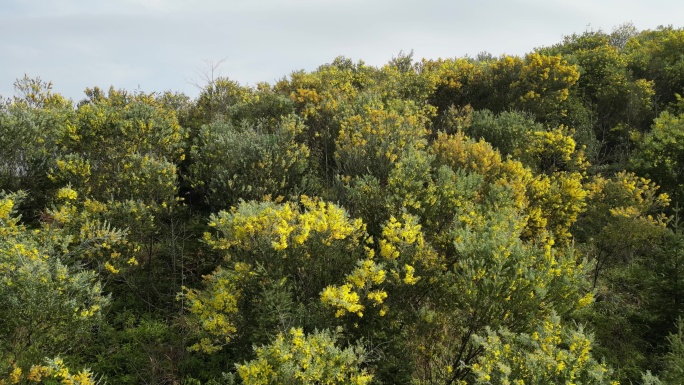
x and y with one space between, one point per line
158 45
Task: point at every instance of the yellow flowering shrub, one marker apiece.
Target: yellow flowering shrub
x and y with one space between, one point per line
87 221
215 308
552 151
119 147
282 226
30 124
402 78
46 302
552 354
460 152
217 100
549 203
627 193
343 299
298 358
317 95
559 199
358 289
410 184
537 83
52 372
377 133
544 85
623 211
455 79
493 276
494 261
401 249
288 248
623 220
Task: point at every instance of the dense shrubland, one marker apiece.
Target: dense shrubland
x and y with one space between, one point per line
510 220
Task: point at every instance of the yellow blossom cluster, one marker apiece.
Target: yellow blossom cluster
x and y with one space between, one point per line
67 193
553 354
347 298
297 358
403 244
378 135
215 307
282 226
343 299
402 247
54 371
86 222
529 194
460 152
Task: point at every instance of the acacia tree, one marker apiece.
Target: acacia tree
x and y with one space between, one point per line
232 162
295 358
660 155
617 103
48 300
655 55
29 128
553 353
277 260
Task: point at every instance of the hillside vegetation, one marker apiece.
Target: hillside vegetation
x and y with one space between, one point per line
489 220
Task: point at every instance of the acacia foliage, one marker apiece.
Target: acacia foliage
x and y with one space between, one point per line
457 221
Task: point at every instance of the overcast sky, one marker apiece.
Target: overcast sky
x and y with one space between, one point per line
158 45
